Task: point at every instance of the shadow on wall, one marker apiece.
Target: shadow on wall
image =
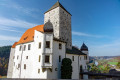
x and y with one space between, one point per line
48 26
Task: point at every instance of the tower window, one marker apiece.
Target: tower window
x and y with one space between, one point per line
29 46
47 44
26 57
39 45
39 58
73 58
38 70
24 47
20 48
24 66
14 63
47 59
59 58
60 46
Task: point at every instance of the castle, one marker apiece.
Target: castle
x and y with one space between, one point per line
39 52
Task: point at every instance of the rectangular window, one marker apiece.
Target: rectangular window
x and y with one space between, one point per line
17 57
29 46
18 65
14 63
47 59
13 57
26 57
86 57
59 58
39 58
24 47
73 58
47 44
60 46
20 48
38 70
24 66
39 45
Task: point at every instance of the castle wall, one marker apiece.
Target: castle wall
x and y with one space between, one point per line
11 63
56 68
75 73
65 28
61 21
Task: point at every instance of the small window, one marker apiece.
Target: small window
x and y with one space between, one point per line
80 58
24 66
47 44
47 59
14 63
73 58
60 46
29 46
59 58
39 45
38 70
13 57
20 48
17 57
26 57
39 58
86 57
24 47
18 65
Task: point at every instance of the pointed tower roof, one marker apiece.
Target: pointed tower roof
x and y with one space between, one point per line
84 47
57 4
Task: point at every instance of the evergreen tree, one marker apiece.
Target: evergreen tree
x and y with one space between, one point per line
66 68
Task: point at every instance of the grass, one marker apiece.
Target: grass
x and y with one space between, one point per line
3 77
112 63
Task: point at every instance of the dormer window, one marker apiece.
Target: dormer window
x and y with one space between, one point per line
25 38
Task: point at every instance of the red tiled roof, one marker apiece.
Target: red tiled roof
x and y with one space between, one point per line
28 36
13 46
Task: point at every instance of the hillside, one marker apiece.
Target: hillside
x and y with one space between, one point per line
4 58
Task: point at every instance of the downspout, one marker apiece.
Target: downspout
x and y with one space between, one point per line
21 61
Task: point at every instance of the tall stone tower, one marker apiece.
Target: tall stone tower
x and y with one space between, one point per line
61 21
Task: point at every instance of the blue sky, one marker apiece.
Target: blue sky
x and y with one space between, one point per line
95 22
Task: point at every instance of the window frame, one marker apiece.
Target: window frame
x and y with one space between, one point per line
39 45
29 46
47 58
73 58
47 44
24 47
24 66
60 46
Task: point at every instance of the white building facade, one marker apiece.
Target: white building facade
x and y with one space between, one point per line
39 52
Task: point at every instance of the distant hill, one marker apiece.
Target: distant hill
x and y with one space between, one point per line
102 57
4 59
5 51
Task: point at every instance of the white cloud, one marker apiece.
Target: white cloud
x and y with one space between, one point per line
9 38
15 23
112 49
86 35
9 29
27 11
